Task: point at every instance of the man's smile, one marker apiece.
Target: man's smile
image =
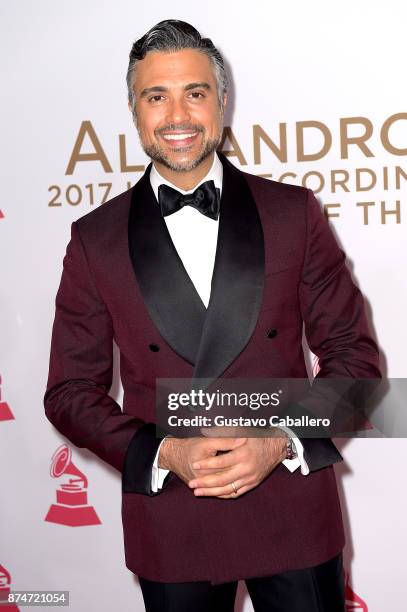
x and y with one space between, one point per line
180 138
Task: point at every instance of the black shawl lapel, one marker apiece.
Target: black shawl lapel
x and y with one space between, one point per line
238 279
169 294
209 338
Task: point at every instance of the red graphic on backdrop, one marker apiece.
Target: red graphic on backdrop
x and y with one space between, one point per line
5 582
1 215
72 507
315 369
315 366
354 603
5 412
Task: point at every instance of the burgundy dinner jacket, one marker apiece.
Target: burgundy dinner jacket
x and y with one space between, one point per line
277 268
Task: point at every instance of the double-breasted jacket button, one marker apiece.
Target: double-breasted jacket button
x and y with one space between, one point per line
272 333
154 347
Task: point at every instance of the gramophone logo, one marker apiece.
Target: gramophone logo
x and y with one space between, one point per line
72 507
354 603
5 582
5 412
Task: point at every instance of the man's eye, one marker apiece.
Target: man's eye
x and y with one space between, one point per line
156 98
197 94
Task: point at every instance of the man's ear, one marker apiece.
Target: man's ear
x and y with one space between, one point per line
133 114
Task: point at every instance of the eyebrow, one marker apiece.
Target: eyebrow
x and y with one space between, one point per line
161 88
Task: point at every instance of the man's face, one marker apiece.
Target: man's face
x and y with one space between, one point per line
177 113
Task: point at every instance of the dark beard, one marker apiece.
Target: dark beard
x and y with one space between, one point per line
157 155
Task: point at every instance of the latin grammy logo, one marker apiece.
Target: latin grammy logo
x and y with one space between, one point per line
72 507
5 582
353 602
5 412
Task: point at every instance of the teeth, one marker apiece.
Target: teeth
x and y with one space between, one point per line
178 136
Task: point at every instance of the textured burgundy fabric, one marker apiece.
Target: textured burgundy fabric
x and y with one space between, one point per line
289 521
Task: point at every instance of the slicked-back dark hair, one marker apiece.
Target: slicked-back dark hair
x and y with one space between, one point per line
174 35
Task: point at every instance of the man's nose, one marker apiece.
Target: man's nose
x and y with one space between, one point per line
178 111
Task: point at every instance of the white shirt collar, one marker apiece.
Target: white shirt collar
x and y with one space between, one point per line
215 174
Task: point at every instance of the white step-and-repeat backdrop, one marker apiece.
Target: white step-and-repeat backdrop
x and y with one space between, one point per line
319 99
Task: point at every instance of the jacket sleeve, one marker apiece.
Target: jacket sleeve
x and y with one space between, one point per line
77 400
336 329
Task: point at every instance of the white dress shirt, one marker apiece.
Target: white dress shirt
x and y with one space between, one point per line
194 236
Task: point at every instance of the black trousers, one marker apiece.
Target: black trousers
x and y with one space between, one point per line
315 589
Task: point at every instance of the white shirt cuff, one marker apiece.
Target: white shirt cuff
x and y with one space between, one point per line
158 474
298 461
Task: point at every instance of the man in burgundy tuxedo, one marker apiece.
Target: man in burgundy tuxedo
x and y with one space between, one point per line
202 512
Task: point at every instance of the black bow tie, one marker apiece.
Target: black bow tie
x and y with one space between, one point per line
206 199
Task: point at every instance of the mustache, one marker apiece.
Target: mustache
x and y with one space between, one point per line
171 127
